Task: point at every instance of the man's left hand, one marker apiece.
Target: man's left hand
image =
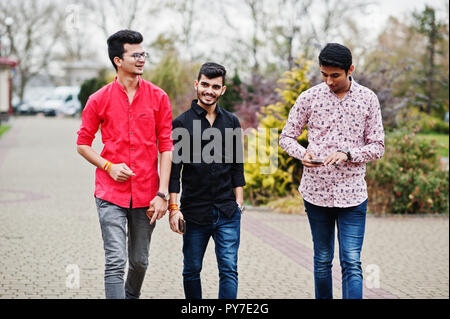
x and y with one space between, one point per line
157 209
335 158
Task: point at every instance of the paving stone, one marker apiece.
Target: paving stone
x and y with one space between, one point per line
48 220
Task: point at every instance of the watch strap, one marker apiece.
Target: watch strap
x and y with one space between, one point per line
349 156
163 196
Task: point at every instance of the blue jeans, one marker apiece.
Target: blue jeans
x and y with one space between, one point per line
350 223
226 234
116 223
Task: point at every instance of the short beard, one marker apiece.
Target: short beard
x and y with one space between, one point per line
207 104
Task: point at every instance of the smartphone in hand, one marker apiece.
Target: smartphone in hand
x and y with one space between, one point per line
182 225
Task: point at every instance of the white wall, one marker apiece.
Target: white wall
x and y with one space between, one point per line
4 90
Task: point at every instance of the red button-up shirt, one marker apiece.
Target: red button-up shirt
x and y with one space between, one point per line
131 134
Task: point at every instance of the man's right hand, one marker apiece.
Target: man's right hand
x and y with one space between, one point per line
174 219
309 156
120 172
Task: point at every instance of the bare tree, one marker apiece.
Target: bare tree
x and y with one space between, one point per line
32 37
283 29
288 22
256 14
110 15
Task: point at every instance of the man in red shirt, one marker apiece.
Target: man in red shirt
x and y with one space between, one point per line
135 118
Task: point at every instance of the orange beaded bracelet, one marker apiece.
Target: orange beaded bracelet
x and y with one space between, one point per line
106 164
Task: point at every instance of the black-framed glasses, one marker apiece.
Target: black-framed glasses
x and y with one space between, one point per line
138 56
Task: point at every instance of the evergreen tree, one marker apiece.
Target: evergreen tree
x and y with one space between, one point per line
232 95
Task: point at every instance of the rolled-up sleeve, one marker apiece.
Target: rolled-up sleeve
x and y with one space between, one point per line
164 125
90 122
297 119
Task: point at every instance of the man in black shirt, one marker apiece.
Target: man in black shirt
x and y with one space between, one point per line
209 157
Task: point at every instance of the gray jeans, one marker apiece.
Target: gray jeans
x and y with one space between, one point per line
116 223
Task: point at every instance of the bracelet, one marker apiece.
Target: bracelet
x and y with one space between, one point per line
106 164
173 207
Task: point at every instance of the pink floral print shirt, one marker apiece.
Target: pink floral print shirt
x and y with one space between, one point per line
352 124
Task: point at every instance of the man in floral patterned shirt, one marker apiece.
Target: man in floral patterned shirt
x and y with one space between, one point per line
345 131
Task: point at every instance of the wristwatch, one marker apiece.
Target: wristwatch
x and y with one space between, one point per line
163 196
349 157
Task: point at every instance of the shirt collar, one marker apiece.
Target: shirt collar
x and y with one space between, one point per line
353 86
201 111
122 88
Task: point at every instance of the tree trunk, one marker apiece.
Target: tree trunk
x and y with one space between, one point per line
432 50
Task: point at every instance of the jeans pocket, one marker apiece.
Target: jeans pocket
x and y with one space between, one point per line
100 202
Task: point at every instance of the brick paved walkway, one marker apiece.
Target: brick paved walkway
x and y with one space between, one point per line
49 225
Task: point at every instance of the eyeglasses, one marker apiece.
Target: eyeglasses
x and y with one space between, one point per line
138 56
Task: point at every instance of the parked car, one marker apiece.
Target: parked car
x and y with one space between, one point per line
31 107
33 100
63 100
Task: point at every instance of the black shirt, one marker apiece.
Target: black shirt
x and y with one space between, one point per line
210 162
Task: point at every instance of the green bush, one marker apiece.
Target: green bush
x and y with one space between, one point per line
408 179
89 87
424 123
430 124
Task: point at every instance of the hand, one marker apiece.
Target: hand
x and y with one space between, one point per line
335 158
157 209
241 205
120 172
174 220
306 161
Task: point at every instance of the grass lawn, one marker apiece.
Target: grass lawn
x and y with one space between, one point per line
441 141
3 129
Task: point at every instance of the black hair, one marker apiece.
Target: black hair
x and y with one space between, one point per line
335 54
117 40
212 70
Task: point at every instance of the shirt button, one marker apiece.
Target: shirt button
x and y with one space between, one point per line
132 149
131 132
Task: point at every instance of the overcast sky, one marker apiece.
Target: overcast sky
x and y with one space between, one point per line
372 23
385 8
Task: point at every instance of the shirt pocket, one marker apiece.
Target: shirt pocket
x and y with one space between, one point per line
145 124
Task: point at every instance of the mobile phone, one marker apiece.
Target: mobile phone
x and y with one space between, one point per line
182 225
316 161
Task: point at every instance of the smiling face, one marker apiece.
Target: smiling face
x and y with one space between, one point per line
209 90
128 63
336 78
